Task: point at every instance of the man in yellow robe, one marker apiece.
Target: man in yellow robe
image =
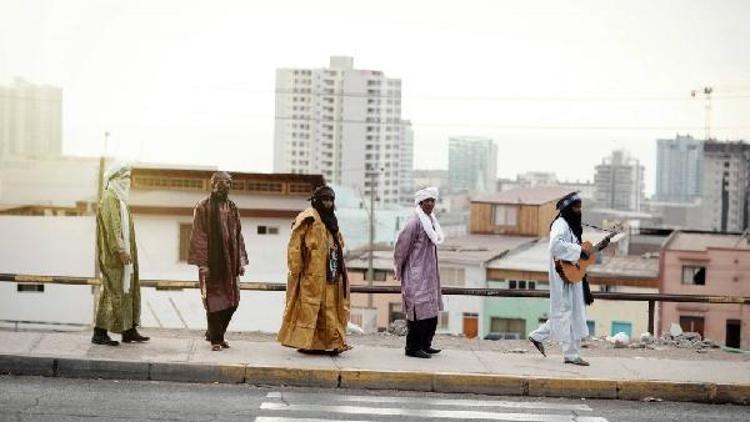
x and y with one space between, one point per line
317 294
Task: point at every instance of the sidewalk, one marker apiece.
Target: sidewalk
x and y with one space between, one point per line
371 367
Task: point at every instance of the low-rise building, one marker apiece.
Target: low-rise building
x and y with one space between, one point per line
704 263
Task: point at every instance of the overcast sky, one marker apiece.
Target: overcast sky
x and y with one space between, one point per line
557 84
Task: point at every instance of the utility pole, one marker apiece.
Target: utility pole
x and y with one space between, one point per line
707 91
370 272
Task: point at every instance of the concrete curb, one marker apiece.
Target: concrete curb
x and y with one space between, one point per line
376 380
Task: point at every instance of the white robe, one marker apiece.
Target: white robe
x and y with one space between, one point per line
567 320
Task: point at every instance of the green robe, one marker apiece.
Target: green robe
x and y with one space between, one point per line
117 311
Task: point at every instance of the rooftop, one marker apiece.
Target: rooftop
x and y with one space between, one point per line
700 242
464 250
527 196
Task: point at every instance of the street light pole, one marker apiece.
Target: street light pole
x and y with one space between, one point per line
370 270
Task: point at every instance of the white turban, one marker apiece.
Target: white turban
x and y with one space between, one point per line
426 193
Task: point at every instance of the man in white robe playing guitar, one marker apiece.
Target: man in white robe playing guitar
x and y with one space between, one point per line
567 316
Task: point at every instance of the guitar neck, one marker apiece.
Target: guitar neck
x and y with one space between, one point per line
599 246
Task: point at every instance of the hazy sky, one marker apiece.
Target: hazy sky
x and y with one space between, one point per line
557 84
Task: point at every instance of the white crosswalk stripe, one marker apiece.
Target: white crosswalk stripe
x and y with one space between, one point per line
298 407
448 402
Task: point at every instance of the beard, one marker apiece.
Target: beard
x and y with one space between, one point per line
220 196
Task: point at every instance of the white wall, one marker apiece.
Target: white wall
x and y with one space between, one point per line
456 306
65 246
158 243
47 246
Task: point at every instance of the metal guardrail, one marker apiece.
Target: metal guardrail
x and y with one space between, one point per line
651 298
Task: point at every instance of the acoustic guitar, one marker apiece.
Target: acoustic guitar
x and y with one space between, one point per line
573 272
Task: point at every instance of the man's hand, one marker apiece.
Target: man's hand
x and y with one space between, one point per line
242 270
203 272
587 248
124 258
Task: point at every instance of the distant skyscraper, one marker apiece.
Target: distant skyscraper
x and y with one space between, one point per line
406 183
619 183
472 164
679 169
30 120
343 123
726 186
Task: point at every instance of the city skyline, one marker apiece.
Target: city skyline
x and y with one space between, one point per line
545 81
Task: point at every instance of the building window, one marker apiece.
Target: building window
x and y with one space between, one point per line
692 324
35 288
443 321
506 215
512 284
185 230
622 327
452 276
509 328
268 230
694 275
591 326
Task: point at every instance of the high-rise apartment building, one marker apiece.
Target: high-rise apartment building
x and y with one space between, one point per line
30 120
618 183
344 123
679 169
726 186
472 164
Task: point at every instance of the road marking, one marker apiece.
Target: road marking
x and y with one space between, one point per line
440 402
275 419
426 413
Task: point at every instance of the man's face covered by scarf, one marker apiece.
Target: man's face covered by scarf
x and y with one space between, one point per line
118 181
221 182
323 200
571 210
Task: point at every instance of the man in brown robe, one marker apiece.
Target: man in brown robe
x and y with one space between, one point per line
218 249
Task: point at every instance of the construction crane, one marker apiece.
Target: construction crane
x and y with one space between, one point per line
707 91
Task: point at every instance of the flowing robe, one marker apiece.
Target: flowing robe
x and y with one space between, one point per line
416 264
567 308
316 311
218 293
117 311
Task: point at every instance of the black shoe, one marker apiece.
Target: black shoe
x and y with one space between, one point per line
577 361
539 346
418 354
104 339
132 335
432 351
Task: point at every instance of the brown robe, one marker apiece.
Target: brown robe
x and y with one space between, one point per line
222 293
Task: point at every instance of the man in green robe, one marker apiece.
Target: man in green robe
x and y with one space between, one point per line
119 308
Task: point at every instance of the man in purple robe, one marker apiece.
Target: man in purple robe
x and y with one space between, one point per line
416 267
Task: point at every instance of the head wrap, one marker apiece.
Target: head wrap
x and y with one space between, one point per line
430 224
568 200
117 177
327 215
426 193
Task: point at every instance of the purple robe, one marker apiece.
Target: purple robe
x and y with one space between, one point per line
416 265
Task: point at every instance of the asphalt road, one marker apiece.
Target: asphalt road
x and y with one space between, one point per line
58 399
